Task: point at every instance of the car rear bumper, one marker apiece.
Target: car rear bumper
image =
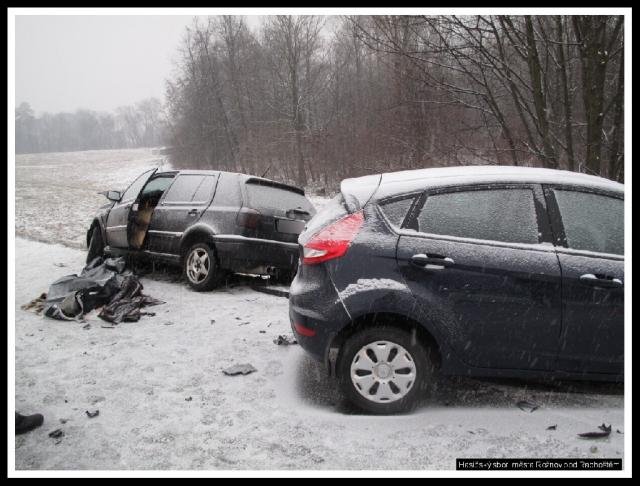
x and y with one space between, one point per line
314 305
255 255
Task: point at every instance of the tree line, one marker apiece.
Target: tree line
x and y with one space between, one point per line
312 99
140 125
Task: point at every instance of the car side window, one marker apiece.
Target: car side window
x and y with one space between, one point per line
592 222
134 189
183 189
507 215
396 210
205 190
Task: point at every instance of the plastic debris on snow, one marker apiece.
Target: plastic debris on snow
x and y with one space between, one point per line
239 369
102 283
282 340
95 413
605 431
526 406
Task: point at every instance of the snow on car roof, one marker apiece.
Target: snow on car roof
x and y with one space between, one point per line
409 180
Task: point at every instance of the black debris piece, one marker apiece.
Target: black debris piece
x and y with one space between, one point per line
56 434
618 431
605 428
188 399
239 369
284 341
92 414
86 326
552 427
270 291
103 282
526 406
605 431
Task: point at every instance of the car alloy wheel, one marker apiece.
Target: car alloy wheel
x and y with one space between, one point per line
198 265
383 372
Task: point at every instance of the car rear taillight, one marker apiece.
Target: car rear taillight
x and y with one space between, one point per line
248 218
332 241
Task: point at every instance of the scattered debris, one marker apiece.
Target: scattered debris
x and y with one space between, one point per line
61 265
618 431
56 434
64 420
244 323
213 321
92 414
108 327
526 406
102 283
262 331
169 323
270 291
282 340
188 399
593 449
86 326
239 369
605 431
36 305
552 427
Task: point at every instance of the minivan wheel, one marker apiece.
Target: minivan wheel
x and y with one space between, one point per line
201 268
384 370
96 246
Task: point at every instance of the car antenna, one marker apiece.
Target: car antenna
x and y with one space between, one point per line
265 172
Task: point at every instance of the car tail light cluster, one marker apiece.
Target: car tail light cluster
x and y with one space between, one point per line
248 218
333 241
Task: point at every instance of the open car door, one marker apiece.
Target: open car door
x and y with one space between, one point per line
118 219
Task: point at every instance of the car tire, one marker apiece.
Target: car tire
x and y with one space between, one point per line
200 268
401 381
96 246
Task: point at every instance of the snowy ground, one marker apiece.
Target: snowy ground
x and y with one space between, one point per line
165 404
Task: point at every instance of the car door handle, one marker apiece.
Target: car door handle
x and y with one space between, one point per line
431 261
601 280
193 212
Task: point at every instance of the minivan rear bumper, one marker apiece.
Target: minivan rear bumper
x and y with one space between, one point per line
255 255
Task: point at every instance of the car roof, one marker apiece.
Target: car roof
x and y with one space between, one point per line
244 177
413 180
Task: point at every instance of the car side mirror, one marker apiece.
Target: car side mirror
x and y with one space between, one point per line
113 195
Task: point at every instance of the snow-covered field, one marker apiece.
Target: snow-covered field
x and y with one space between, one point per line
165 404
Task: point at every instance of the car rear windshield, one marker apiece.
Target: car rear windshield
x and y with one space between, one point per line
263 196
331 212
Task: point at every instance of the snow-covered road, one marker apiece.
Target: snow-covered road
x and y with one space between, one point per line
165 404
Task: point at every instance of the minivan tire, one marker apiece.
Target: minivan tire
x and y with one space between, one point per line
193 272
96 246
420 361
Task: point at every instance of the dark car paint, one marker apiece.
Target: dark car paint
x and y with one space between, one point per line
543 322
174 225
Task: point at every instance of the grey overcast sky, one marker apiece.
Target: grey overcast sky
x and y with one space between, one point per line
67 62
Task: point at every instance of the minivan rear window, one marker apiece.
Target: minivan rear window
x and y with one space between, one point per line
272 197
507 215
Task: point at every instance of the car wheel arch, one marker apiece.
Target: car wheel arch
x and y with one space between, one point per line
197 234
391 319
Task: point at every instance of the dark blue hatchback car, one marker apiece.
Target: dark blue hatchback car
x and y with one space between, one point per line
483 271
